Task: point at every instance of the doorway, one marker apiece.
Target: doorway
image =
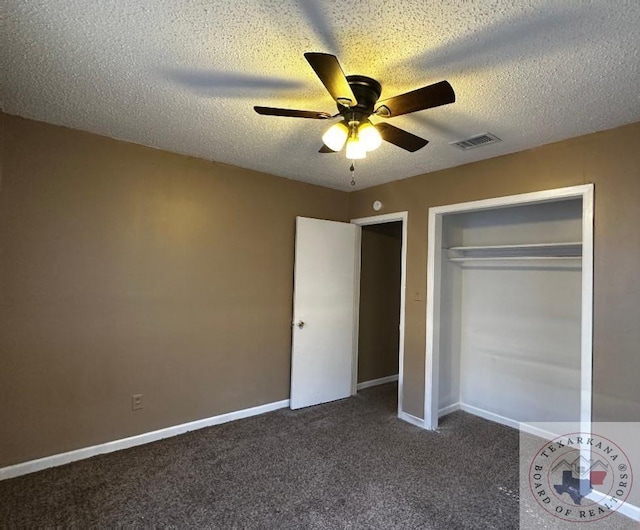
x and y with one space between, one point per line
378 357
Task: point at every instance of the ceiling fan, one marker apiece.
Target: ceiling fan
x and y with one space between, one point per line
357 99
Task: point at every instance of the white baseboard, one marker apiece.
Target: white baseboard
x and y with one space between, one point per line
449 409
376 382
540 433
547 435
413 420
525 427
489 415
626 509
132 441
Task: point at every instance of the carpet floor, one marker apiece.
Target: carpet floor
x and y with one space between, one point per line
347 464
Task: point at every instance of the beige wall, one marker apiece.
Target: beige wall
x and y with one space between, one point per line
611 160
128 270
378 333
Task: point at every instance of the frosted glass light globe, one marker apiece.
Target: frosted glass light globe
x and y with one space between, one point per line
369 136
336 136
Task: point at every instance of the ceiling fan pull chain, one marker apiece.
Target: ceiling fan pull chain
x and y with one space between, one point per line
352 169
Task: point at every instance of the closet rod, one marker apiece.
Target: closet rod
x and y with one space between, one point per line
513 258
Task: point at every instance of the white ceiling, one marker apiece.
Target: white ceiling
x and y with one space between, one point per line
184 75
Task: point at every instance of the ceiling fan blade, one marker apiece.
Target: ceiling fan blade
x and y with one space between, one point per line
401 138
292 113
423 98
325 149
328 69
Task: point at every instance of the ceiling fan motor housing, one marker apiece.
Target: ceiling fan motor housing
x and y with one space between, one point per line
367 92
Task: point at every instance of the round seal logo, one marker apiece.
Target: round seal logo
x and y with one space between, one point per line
580 477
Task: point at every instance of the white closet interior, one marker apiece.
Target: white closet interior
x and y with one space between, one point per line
510 304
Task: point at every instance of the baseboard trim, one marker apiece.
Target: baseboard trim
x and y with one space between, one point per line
376 382
413 420
626 509
449 409
60 459
491 416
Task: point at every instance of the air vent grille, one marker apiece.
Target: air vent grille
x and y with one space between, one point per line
476 141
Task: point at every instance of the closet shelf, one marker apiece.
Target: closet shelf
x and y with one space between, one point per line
525 251
541 246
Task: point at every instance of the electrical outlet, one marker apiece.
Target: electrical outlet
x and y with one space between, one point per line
136 402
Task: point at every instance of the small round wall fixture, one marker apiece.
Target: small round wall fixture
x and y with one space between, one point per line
377 206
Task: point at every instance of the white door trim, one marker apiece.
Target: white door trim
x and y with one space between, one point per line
376 220
584 192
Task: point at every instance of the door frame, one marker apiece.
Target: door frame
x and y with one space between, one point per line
376 220
434 261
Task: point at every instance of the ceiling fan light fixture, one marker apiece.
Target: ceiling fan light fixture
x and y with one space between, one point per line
358 98
369 136
336 136
355 148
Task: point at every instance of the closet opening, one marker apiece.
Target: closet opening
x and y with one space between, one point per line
509 308
380 326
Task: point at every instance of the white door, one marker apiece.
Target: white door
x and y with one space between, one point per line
324 311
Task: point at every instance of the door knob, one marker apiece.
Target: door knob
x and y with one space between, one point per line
300 324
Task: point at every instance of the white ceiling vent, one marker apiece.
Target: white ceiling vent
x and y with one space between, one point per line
476 141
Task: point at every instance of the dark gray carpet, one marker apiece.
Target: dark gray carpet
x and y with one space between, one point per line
348 464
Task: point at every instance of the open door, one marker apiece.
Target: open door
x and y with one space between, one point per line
324 311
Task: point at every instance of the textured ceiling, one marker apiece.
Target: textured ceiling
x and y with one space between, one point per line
184 75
